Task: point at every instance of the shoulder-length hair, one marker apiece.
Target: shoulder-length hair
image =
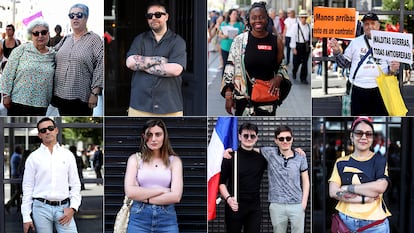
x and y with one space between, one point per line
166 149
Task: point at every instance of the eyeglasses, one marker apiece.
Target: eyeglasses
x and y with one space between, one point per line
78 15
156 14
282 139
43 32
360 133
252 136
50 128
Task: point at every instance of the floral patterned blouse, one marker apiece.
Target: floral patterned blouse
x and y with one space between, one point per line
28 76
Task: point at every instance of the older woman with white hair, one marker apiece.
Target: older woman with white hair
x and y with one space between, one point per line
79 67
27 81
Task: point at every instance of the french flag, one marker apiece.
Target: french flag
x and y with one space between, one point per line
224 136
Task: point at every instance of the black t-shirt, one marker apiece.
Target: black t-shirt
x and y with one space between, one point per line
251 168
260 56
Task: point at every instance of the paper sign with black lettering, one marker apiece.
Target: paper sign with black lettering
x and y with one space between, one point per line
392 46
331 22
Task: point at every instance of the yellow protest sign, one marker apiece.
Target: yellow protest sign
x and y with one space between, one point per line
334 22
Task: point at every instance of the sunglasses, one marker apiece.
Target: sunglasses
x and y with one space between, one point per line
50 128
252 136
156 14
360 133
43 32
282 139
78 15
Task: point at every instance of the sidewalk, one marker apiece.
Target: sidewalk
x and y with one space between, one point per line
330 104
298 102
88 219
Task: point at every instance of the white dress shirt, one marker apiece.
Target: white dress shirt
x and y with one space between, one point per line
51 176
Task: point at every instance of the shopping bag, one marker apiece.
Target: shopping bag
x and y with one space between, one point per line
391 94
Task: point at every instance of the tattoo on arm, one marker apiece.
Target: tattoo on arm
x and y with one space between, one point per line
158 70
144 63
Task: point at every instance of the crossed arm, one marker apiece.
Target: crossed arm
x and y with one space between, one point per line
155 195
358 193
155 65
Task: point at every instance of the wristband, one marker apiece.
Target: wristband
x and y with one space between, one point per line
351 188
363 199
228 197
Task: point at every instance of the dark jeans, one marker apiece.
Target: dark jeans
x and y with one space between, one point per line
25 110
248 217
287 42
301 58
71 107
367 102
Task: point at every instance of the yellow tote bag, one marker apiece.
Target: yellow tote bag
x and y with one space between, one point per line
391 94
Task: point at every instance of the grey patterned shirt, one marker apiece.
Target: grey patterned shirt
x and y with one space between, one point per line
79 67
284 176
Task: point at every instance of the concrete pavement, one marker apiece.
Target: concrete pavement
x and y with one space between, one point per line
298 102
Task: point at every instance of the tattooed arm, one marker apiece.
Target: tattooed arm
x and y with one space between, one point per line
138 62
165 70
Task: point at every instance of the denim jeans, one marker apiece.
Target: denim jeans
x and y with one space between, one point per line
281 214
353 224
148 218
45 216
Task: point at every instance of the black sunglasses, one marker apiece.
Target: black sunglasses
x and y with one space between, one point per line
157 15
78 15
50 128
360 133
281 139
43 32
252 136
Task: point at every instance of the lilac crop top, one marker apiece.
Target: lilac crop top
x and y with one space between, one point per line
149 178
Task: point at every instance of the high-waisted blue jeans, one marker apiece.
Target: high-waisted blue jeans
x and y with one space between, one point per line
354 223
148 218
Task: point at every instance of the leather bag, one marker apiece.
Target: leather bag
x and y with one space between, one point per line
338 226
260 92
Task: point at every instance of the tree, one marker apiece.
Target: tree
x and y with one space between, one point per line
391 5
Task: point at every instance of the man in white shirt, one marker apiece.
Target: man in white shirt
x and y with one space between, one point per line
300 44
287 32
51 186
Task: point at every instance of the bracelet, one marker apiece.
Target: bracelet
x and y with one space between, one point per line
363 199
228 197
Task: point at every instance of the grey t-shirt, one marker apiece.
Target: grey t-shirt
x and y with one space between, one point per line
284 176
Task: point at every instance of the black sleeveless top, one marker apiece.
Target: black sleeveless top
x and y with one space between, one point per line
7 51
260 56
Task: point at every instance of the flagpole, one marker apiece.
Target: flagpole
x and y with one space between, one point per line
236 179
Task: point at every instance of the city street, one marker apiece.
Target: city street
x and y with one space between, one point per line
298 102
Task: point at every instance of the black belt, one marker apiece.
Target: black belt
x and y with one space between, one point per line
53 203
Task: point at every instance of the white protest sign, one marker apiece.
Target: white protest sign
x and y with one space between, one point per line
392 46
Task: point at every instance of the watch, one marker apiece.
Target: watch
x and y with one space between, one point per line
95 94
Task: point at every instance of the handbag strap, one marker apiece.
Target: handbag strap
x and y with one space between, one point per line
361 229
362 61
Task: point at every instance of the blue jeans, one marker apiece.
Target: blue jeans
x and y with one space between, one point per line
148 218
45 216
353 224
